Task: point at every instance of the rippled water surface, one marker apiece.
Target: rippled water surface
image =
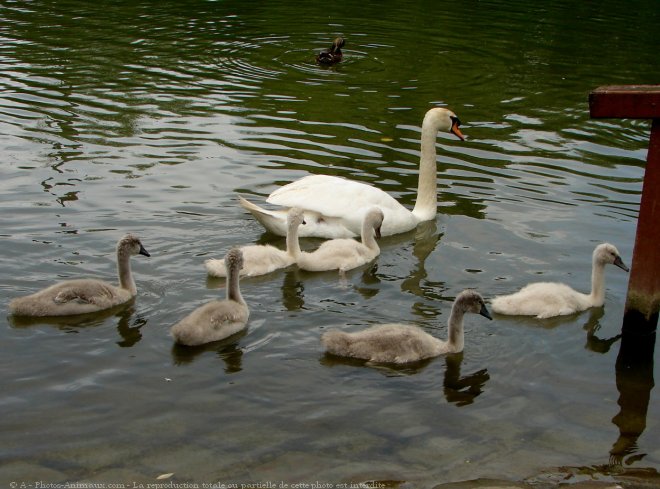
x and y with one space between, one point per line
151 117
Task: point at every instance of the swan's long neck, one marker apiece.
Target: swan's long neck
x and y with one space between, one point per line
597 295
126 280
369 235
455 339
292 241
426 205
233 289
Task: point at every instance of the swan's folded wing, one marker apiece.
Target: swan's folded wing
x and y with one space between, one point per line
84 292
332 196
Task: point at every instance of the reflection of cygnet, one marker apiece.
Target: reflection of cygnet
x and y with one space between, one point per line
81 296
346 253
549 299
216 320
401 343
263 259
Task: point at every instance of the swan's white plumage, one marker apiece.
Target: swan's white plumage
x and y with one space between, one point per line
344 254
550 299
334 207
219 319
82 296
263 259
402 343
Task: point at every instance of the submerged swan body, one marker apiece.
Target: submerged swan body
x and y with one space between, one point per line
550 299
334 207
345 254
402 343
82 296
219 319
263 259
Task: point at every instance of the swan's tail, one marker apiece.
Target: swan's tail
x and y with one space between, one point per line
273 221
215 267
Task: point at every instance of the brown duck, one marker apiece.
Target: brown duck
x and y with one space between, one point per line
333 54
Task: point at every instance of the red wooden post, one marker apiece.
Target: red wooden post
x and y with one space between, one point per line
640 102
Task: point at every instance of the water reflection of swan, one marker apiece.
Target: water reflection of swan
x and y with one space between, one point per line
130 331
426 240
594 343
334 207
293 291
462 390
402 343
387 369
457 389
227 350
127 328
634 381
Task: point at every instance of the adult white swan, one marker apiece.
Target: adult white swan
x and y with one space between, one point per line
335 207
550 299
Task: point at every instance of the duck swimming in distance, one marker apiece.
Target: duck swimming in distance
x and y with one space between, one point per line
333 54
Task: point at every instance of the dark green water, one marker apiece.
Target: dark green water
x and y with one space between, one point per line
151 117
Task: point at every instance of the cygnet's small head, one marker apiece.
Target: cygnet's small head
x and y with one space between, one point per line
444 120
608 254
234 259
131 245
295 217
471 301
375 218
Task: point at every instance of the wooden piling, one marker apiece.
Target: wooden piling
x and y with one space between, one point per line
640 102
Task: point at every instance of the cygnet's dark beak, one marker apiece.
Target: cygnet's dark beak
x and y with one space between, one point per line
484 312
378 236
143 251
619 263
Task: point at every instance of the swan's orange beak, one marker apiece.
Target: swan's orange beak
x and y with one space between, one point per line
457 131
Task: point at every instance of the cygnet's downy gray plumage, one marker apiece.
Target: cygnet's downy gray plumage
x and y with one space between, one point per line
344 254
219 319
402 343
550 299
263 259
81 296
